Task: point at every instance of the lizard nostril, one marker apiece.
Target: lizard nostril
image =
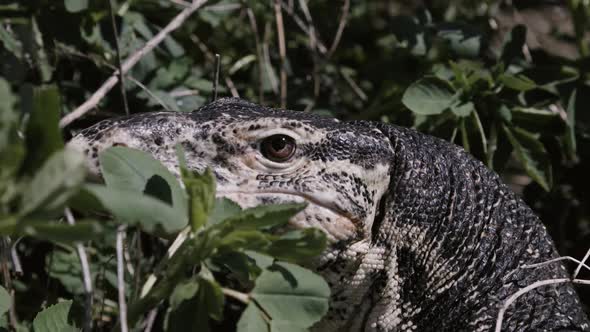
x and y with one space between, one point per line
158 141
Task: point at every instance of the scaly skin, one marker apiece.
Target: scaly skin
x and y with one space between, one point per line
422 237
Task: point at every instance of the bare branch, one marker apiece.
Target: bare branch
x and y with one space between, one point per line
299 22
313 47
232 87
341 26
282 52
581 264
16 264
121 278
86 276
259 54
242 297
119 61
130 62
357 89
151 318
216 76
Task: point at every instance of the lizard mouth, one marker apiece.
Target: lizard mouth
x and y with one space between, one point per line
337 223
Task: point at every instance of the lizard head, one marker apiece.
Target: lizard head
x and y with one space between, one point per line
262 156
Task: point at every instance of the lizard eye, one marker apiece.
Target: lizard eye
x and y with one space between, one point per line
278 148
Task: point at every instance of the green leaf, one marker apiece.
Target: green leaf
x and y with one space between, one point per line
462 38
183 292
12 150
63 233
570 135
58 179
223 209
266 216
428 96
517 82
262 261
298 245
201 196
286 326
252 320
5 301
54 319
74 6
43 136
531 153
131 207
11 43
463 110
291 293
245 239
130 169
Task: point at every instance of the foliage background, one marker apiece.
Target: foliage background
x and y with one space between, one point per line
507 80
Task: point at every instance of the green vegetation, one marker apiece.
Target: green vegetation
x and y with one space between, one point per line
481 74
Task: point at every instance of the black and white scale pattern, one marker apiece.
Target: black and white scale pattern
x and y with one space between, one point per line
422 236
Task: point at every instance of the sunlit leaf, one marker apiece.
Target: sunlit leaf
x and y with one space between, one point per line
428 96
54 319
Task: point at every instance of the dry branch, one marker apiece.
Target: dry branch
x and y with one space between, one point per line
86 276
130 62
282 52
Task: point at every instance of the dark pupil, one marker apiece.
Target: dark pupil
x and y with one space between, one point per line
278 143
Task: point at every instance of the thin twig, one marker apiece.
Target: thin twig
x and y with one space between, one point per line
232 87
130 62
8 283
242 297
216 76
259 54
151 318
99 62
299 22
581 264
211 57
528 288
282 52
119 60
341 26
357 90
313 47
16 264
86 276
121 278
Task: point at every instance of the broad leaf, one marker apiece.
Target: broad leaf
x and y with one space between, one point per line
43 136
298 245
428 96
58 179
5 301
54 319
291 293
131 207
252 320
74 6
82 231
131 169
223 209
